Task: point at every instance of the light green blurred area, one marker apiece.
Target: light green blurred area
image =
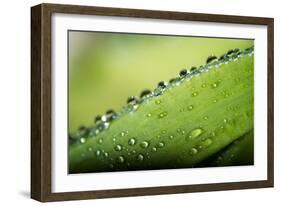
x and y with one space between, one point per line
106 68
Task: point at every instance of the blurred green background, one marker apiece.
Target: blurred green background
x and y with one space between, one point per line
106 68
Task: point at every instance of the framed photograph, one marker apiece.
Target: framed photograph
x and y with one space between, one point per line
130 102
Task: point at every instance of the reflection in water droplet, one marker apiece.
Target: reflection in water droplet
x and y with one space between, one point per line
144 144
193 151
158 101
118 147
132 141
140 157
195 133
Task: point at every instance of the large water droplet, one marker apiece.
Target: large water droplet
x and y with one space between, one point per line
195 133
118 147
144 144
132 141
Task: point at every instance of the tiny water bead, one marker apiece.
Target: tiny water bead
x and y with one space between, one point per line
214 85
162 114
163 131
193 151
118 147
194 94
154 149
203 85
105 154
171 136
132 141
123 133
140 157
158 101
144 144
205 117
90 149
100 141
205 143
190 107
195 133
149 115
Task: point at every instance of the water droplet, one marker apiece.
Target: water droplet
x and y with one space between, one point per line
144 144
158 101
140 157
148 115
162 114
192 69
162 84
193 151
98 119
154 149
195 133
98 152
205 143
121 159
163 131
161 144
214 85
123 133
82 140
190 107
118 147
230 52
171 137
132 141
110 115
132 100
215 101
225 120
183 73
114 139
194 94
90 149
203 85
211 59
105 154
145 93
205 118
100 141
